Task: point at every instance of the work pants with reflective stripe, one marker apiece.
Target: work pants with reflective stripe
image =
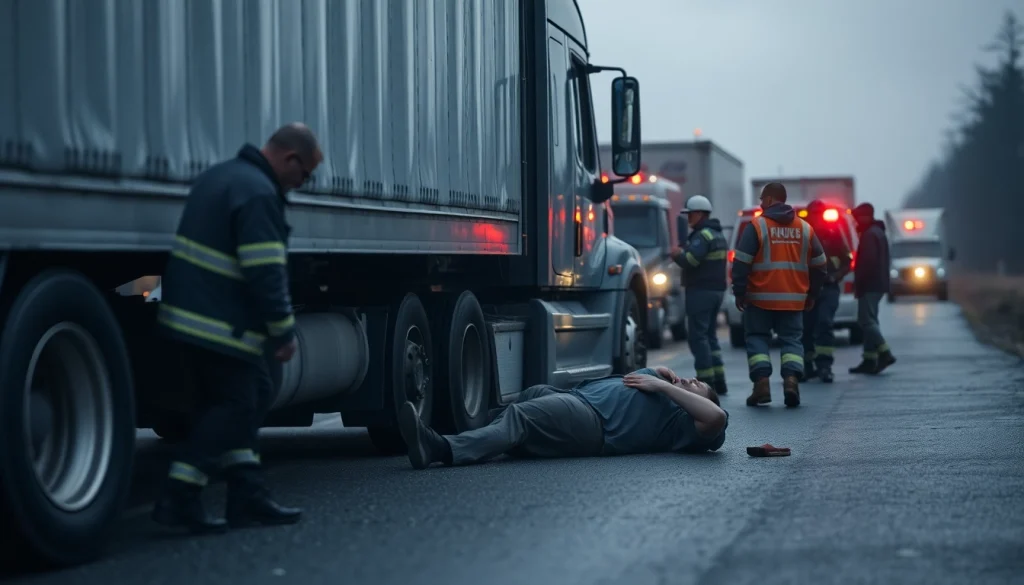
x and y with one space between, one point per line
702 307
819 337
234 397
758 325
867 318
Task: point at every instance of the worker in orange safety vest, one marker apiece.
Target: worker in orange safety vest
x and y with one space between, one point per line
778 270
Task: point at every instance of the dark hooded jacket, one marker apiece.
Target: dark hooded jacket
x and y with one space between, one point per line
748 246
871 270
703 260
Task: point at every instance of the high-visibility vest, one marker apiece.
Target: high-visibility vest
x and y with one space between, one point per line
779 276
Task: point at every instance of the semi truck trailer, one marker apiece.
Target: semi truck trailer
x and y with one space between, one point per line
453 248
834 191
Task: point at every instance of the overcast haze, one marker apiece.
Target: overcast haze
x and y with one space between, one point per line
816 87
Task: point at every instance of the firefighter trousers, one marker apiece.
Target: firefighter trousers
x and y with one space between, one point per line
702 308
758 325
819 337
234 397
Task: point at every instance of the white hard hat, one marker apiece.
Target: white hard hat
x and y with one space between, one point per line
697 203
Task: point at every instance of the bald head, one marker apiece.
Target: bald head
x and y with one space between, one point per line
294 153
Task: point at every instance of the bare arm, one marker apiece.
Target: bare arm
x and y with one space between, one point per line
707 416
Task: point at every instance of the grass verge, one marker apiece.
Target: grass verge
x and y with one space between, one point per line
994 307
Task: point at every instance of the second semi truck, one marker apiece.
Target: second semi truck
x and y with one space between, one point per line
452 250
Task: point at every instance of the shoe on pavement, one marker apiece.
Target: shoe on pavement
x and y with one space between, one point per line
885 359
864 367
181 506
720 386
761 394
425 445
825 374
258 507
791 391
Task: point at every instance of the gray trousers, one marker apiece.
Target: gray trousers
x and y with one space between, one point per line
867 318
543 422
702 307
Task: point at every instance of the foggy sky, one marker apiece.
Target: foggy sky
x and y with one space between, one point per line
816 87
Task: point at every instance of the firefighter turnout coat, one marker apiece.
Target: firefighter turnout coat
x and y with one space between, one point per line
226 284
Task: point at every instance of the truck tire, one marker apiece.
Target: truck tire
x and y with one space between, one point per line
408 371
737 337
464 379
856 335
633 348
656 334
66 468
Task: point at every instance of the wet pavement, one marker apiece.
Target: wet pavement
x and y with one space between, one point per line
915 476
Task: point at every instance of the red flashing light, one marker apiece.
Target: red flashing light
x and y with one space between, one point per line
831 215
604 178
913 224
636 179
853 260
758 212
731 255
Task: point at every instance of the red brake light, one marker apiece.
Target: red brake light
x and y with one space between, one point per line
831 215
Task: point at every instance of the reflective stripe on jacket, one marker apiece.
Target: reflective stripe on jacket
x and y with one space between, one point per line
226 283
704 258
779 273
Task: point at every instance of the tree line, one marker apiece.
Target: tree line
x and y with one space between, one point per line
979 179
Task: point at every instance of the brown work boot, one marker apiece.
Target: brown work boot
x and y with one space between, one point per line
791 391
762 393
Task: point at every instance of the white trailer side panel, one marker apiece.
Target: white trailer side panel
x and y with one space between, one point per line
417 105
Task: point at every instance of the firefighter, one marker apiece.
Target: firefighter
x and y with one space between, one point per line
819 332
226 302
703 262
777 272
871 283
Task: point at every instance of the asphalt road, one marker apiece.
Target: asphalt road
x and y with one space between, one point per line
916 476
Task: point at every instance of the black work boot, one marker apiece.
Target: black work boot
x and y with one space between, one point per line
885 359
791 391
761 394
809 370
720 386
181 506
425 445
825 374
865 367
250 502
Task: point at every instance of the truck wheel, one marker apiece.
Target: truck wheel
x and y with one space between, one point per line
633 349
68 418
409 371
656 334
465 377
737 337
856 335
679 331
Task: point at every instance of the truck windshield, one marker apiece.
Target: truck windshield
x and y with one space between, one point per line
916 250
637 224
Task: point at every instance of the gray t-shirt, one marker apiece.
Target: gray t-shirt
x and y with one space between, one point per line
641 422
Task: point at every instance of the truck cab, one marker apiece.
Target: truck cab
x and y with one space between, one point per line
918 253
645 210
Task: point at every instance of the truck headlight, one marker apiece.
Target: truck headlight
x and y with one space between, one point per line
659 279
894 273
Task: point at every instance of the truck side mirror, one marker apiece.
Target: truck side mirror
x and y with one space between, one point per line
682 229
952 254
625 126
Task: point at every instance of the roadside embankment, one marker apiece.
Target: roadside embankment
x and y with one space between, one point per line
994 307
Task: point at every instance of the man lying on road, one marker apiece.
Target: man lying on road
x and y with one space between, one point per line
648 411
